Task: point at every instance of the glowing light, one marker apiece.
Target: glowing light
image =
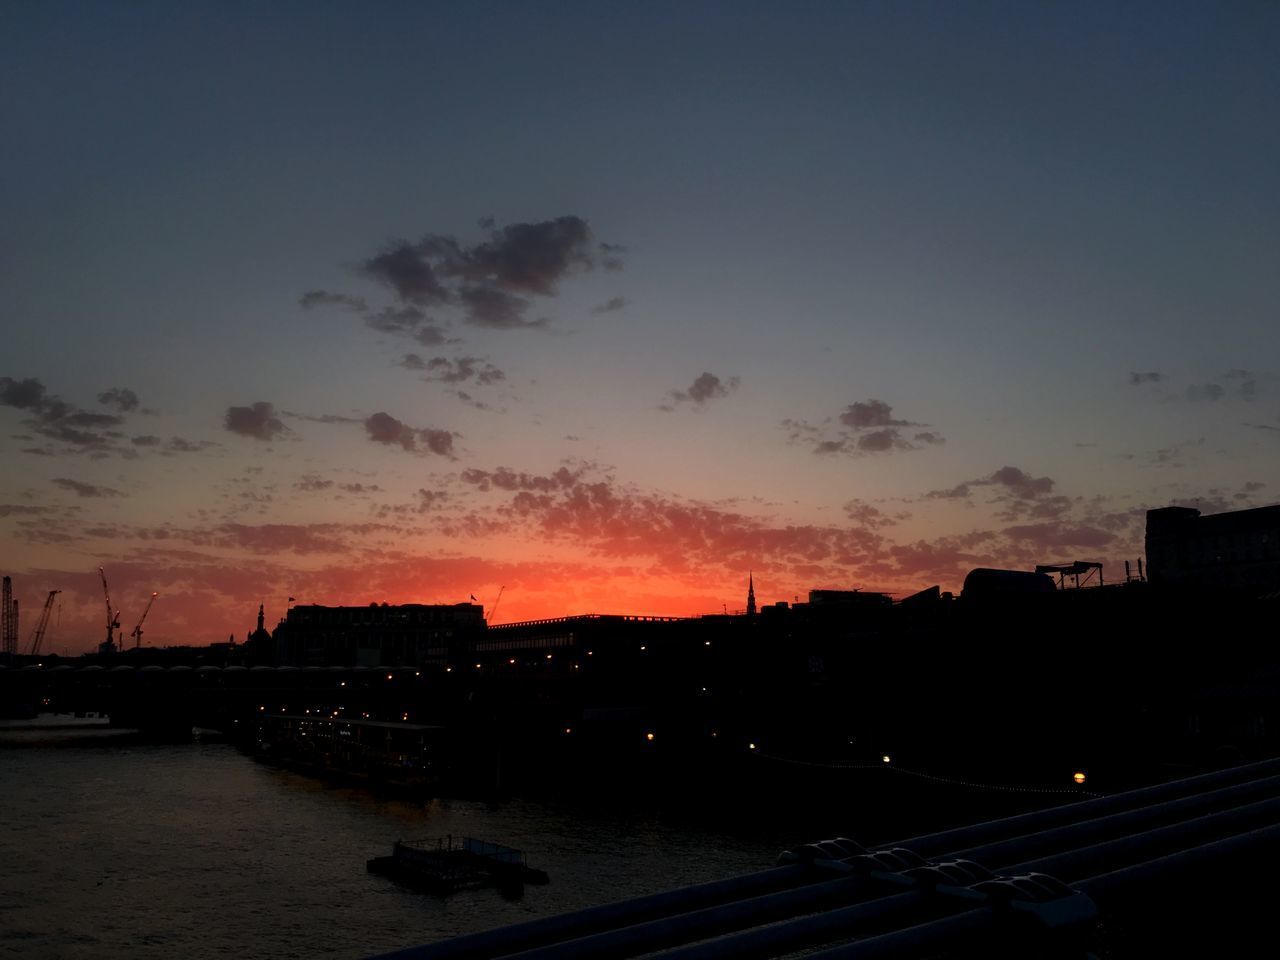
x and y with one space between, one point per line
649 737
751 746
388 676
588 653
448 669
548 656
568 729
643 647
342 683
511 660
477 666
706 643
886 759
1079 776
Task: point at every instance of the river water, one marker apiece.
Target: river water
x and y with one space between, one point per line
121 850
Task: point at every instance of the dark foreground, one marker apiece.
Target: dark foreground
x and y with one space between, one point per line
1174 869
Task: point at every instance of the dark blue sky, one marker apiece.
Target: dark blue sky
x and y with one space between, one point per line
911 245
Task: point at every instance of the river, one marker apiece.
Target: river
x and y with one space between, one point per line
126 850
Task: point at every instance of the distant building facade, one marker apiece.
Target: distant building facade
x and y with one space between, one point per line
1239 550
379 635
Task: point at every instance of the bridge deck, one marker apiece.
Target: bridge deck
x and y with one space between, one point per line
1152 863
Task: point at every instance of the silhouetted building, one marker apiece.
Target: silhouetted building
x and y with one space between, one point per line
1239 550
751 595
827 598
405 635
564 640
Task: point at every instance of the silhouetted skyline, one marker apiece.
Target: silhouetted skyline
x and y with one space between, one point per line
614 309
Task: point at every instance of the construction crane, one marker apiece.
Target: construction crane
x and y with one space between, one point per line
494 608
37 635
113 618
8 620
137 631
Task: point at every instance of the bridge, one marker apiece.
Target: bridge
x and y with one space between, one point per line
1172 868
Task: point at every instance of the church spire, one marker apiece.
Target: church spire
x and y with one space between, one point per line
751 595
261 617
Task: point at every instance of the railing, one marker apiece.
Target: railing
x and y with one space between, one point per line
937 894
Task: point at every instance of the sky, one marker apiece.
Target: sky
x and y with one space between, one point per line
602 308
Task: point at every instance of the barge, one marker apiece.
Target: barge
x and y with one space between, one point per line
445 864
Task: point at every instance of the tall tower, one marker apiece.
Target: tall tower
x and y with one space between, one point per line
261 616
751 595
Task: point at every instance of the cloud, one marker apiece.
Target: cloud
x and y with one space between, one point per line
383 428
504 478
1240 384
121 398
258 421
866 427
1012 481
609 306
490 306
460 370
871 413
53 418
28 394
408 269
173 445
471 401
311 483
323 298
1245 382
84 489
182 445
490 281
865 515
1151 376
403 319
705 388
23 510
320 418
407 321
532 257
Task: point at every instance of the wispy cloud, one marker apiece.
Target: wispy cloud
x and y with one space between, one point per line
258 420
705 388
383 428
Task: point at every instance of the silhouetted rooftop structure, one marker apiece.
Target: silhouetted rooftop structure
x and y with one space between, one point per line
377 635
985 583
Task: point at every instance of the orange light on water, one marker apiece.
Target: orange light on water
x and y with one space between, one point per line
1079 777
